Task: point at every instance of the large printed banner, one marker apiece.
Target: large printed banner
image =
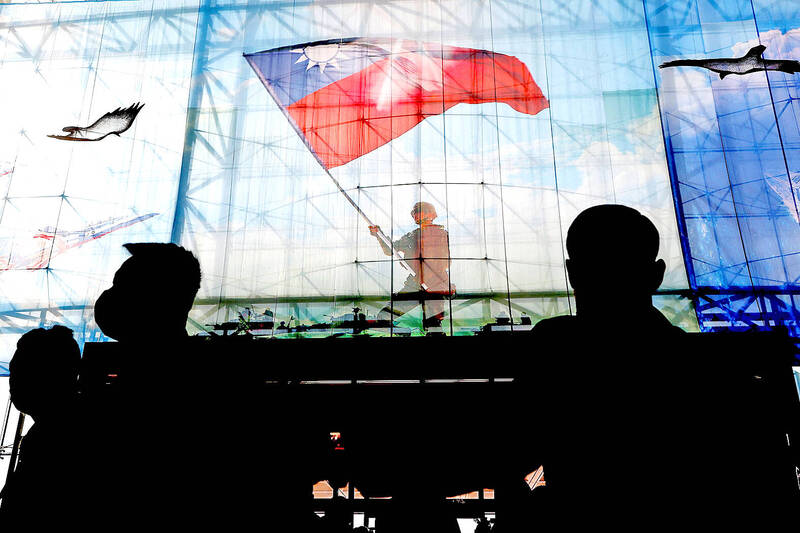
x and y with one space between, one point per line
500 121
728 87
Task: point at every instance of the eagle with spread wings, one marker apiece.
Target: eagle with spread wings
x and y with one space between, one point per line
114 122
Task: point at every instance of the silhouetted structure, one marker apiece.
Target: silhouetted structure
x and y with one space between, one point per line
629 421
43 383
448 437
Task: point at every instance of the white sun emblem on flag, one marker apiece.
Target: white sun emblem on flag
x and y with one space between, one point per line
321 55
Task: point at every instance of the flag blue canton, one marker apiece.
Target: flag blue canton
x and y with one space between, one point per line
293 72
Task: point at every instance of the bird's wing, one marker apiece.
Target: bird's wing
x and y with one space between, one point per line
115 121
70 138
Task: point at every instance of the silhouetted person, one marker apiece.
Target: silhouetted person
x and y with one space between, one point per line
609 430
614 271
427 251
153 289
637 423
642 422
43 384
172 467
148 437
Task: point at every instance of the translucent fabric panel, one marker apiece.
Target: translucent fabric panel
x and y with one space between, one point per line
505 185
67 207
212 162
606 130
731 143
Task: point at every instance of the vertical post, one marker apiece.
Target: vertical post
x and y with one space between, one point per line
197 83
15 448
5 429
5 422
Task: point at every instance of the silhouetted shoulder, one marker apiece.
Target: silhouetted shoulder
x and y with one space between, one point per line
652 321
555 324
550 329
656 320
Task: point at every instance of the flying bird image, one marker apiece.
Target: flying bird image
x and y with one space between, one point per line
115 122
747 64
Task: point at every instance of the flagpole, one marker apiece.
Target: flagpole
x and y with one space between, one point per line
380 234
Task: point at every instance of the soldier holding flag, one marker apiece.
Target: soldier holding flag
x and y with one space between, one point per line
426 250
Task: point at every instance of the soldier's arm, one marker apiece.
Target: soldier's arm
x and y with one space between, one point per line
374 231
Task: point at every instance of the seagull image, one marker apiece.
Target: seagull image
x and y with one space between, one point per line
747 64
115 122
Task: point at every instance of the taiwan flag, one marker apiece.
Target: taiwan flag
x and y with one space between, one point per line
347 97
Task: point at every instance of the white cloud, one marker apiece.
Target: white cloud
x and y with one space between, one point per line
779 45
690 90
687 90
638 179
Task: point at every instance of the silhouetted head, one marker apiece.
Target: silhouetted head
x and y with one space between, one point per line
423 212
44 371
612 261
153 290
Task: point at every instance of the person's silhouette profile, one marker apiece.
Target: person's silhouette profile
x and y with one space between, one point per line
43 384
614 271
166 391
159 390
157 286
